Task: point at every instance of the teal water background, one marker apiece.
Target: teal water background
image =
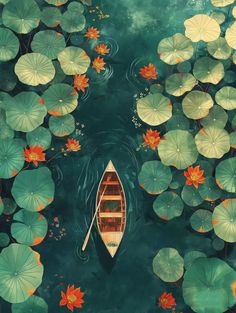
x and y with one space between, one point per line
127 283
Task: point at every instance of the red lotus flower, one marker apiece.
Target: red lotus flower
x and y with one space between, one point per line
98 64
151 139
102 49
73 298
166 301
194 176
80 82
73 145
92 33
148 72
34 154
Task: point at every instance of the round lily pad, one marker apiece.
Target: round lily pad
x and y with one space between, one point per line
197 104
191 196
209 191
29 228
4 240
24 112
178 121
21 16
9 206
212 142
72 21
168 205
11 158
207 70
9 45
156 88
62 126
74 60
168 265
222 3
6 132
154 177
40 136
179 84
224 220
191 256
184 67
218 16
202 27
230 35
33 190
201 221
226 175
154 109
217 117
21 271
230 77
34 69
226 97
175 49
219 49
178 149
218 244
49 43
33 304
60 99
51 16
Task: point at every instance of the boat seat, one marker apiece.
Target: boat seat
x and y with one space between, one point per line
112 197
111 182
111 214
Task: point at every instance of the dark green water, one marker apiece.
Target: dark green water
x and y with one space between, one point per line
127 283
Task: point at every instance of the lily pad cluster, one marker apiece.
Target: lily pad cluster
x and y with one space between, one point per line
192 166
42 48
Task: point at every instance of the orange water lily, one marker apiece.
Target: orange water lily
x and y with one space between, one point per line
148 72
73 145
102 49
151 139
34 154
98 64
166 301
92 33
81 82
195 176
73 298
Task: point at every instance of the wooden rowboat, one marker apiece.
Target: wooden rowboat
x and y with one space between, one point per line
111 209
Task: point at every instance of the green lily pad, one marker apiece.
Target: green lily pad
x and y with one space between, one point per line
74 60
154 109
49 43
226 97
33 304
9 206
224 220
219 49
230 35
8 79
62 126
197 104
191 196
191 256
179 84
207 70
218 244
209 191
184 67
9 45
4 100
154 177
59 76
178 149
211 279
175 49
20 273
72 21
226 175
168 265
76 6
4 240
29 228
212 142
11 158
21 16
232 138
178 121
33 190
206 166
201 221
156 88
60 99
230 77
40 136
51 16
218 16
217 117
24 112
57 3
6 132
168 205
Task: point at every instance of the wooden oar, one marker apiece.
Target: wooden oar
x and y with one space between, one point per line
86 239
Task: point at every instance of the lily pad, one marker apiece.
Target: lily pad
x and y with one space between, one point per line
51 16
178 149
230 35
226 97
33 190
9 206
62 126
178 121
217 117
191 196
154 109
6 132
40 136
168 265
209 191
154 177
4 240
226 175
9 45
168 205
191 256
57 3
201 221
72 21
222 3
218 16
232 138
207 70
179 84
219 49
33 304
